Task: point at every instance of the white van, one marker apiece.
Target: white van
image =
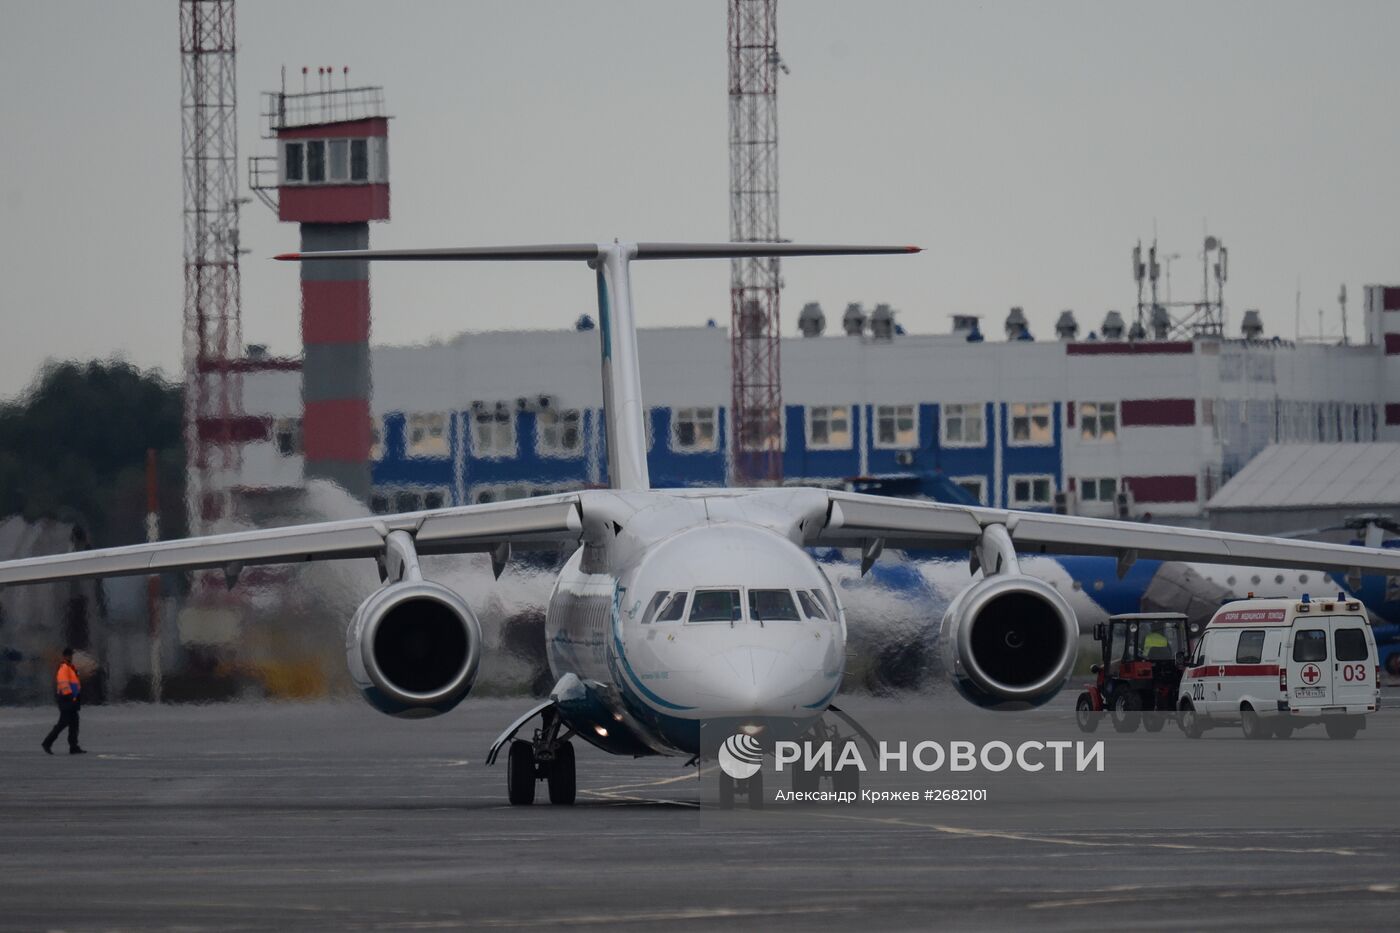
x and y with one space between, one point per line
1274 665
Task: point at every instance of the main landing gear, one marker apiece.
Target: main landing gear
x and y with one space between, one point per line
548 757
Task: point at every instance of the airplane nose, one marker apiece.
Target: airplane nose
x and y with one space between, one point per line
757 681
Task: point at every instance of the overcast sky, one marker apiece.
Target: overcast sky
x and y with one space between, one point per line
1027 146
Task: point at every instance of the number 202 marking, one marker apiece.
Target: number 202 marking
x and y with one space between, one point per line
1198 691
1352 672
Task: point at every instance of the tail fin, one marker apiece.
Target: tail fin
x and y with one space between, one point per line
622 382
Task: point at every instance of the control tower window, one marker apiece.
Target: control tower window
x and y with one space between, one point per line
316 161
294 156
359 160
338 151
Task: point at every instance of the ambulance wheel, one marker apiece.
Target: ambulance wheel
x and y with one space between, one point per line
563 778
1085 715
726 792
754 787
1283 729
1341 728
1190 721
1253 725
520 773
1127 711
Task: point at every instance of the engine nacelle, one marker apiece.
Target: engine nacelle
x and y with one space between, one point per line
413 649
1009 641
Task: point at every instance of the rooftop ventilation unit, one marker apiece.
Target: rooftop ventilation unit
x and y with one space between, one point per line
1252 326
1066 328
882 322
853 321
1112 328
811 322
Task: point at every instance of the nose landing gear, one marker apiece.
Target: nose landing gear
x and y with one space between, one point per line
547 757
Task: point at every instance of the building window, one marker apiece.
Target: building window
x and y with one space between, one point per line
433 499
693 429
493 433
293 154
896 426
964 425
359 160
1098 421
338 154
427 435
316 161
764 431
557 433
974 486
1031 492
1030 424
286 434
829 427
376 439
1103 489
379 503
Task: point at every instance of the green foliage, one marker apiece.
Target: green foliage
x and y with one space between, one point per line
73 447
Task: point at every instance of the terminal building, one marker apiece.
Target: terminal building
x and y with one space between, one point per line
1101 426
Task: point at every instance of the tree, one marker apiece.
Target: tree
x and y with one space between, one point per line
73 448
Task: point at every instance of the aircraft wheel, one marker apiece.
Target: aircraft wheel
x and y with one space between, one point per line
754 787
1085 715
1127 711
1341 728
726 792
1190 721
804 780
1253 725
520 773
563 783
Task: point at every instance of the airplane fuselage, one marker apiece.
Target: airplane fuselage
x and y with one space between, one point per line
691 614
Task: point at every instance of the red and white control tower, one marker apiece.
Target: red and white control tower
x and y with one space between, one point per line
331 176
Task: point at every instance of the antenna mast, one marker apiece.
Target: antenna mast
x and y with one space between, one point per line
757 401
212 320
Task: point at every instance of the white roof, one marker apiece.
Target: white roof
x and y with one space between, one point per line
1295 476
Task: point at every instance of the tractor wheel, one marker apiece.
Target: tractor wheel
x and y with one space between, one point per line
1127 711
1154 721
1190 721
1254 726
1085 714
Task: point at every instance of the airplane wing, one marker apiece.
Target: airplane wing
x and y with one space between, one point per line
855 520
546 520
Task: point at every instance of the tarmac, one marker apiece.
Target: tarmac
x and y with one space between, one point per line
330 816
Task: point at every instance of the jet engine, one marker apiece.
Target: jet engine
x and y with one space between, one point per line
413 649
1009 641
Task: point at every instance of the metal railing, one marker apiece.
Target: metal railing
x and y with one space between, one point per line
311 108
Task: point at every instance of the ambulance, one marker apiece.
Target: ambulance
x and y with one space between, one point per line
1274 665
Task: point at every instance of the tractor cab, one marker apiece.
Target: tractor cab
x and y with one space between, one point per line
1143 656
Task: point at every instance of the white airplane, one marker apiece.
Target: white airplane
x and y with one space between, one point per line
683 606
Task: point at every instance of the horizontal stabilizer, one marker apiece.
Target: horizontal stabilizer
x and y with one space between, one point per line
588 252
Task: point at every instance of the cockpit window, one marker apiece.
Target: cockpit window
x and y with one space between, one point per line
673 610
810 605
772 606
654 605
716 606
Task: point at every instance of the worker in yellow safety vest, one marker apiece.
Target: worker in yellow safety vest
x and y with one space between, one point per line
68 693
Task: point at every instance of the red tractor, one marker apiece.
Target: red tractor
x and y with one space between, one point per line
1144 654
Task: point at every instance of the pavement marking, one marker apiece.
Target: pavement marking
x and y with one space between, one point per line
654 916
1141 893
1013 836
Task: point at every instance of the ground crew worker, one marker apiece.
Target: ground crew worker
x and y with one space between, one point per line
67 690
1155 646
